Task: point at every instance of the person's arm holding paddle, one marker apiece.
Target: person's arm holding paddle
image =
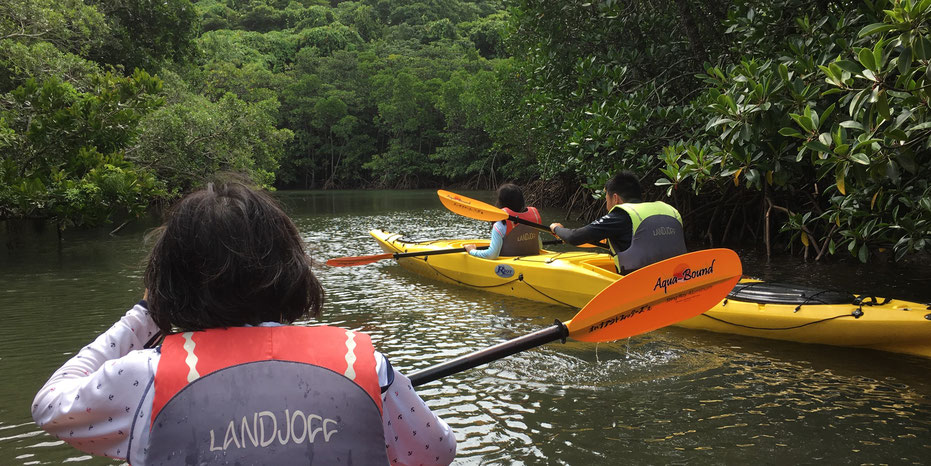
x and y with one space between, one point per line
494 248
614 226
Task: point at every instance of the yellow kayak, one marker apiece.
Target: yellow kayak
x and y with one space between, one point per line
754 308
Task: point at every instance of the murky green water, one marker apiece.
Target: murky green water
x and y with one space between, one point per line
673 396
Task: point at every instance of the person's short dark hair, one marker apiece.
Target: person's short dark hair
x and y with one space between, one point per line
510 196
624 184
228 256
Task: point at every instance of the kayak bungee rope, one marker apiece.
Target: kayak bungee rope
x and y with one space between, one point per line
856 314
809 299
520 278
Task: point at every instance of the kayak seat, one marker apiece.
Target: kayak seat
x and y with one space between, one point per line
779 293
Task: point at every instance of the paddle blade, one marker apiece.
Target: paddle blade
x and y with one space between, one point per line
471 208
357 260
658 295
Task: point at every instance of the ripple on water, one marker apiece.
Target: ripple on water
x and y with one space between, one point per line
672 396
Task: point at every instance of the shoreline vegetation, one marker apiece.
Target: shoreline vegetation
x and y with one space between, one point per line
800 126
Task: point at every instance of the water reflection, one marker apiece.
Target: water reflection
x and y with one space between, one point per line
672 396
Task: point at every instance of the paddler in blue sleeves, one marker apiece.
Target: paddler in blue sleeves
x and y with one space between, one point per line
509 238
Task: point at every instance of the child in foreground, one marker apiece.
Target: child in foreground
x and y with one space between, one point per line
232 382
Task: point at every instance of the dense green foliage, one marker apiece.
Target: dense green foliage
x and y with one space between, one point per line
806 117
310 94
786 122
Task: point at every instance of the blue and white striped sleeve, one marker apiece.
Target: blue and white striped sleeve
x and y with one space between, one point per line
497 240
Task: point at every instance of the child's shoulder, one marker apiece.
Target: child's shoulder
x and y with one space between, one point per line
137 364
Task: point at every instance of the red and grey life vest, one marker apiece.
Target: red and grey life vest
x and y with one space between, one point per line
520 239
656 235
267 395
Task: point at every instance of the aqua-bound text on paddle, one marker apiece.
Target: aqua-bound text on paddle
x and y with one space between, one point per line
683 273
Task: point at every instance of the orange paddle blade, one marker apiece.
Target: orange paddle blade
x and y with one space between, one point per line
357 260
658 295
468 207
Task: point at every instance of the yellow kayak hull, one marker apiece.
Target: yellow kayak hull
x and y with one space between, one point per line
573 278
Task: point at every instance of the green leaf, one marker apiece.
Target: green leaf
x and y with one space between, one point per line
803 121
882 105
827 113
791 132
900 253
817 146
864 253
840 174
860 158
720 121
896 134
878 54
856 103
919 127
907 161
922 48
867 59
784 72
875 28
851 124
849 66
904 60
905 114
892 171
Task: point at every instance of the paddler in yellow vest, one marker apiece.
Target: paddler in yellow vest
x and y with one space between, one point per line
510 238
638 233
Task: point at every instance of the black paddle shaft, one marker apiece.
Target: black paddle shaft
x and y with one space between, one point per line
558 331
539 226
536 225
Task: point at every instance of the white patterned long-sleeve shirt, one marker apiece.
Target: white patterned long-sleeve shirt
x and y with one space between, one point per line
100 401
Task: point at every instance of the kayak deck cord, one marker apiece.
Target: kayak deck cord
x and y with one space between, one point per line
809 299
520 278
856 314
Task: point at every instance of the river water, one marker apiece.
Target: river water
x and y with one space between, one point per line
672 396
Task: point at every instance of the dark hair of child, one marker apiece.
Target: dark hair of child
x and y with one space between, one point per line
229 256
624 184
510 196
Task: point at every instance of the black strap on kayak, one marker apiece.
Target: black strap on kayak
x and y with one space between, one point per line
808 299
856 314
542 293
870 301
